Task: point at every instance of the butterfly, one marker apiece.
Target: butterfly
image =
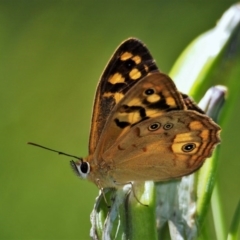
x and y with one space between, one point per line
142 127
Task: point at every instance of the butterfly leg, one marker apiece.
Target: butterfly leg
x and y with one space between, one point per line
133 191
102 192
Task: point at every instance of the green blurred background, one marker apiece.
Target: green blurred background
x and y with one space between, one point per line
52 54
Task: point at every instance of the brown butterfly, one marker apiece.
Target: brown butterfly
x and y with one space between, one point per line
143 128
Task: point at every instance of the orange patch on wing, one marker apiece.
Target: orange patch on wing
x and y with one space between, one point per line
170 102
116 78
153 98
196 125
117 96
205 135
135 74
146 68
125 56
137 59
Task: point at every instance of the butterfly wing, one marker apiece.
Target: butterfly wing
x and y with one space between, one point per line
190 104
164 147
154 95
130 63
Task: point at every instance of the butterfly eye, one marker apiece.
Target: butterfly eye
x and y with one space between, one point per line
85 168
167 126
188 147
149 91
82 169
154 126
129 64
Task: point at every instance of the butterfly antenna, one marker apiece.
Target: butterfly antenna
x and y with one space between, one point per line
59 152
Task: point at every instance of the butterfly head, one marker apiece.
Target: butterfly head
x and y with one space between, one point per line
80 167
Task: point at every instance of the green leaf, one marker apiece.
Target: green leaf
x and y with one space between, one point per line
235 225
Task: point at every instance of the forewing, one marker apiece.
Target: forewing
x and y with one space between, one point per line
152 96
130 63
